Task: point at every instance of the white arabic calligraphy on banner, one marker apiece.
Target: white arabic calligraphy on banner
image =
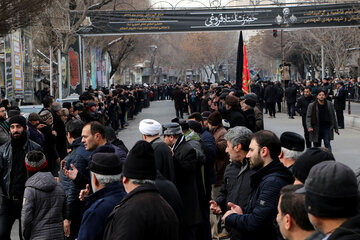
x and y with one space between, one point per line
215 21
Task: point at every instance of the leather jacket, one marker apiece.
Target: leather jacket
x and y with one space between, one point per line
6 163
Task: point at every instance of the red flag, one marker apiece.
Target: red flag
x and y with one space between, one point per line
245 74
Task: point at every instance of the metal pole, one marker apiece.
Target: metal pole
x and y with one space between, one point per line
322 63
81 65
51 73
60 72
283 68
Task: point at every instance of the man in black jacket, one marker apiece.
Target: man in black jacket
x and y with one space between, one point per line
255 221
236 185
301 107
13 174
143 213
150 130
290 93
234 114
270 99
188 178
339 103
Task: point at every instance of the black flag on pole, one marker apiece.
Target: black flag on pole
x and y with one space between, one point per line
239 64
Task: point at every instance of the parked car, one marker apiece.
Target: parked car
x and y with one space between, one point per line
70 99
27 109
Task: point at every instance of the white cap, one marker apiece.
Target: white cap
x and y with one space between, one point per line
150 127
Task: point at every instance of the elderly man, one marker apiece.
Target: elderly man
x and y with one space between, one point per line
236 185
143 213
188 178
105 169
256 220
292 146
150 130
331 207
13 174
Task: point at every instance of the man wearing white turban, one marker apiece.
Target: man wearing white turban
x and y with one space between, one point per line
150 130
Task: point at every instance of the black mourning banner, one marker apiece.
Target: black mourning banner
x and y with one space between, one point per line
156 21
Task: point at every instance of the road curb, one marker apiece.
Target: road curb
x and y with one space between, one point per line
352 121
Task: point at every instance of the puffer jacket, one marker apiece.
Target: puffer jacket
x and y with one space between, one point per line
100 204
80 158
6 162
43 208
260 213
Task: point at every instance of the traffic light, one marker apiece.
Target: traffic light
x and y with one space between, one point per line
275 33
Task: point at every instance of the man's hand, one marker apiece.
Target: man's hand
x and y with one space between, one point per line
337 131
84 193
62 165
67 227
215 208
310 129
234 209
72 173
41 125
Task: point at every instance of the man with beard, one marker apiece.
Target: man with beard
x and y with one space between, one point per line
255 221
188 178
13 174
4 126
321 121
301 107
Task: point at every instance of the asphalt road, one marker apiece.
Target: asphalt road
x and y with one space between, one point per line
345 146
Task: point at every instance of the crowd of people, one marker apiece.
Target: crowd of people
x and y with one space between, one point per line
217 174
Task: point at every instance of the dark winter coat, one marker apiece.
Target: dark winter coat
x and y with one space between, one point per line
120 144
302 105
80 158
313 121
6 160
349 230
59 128
43 208
163 159
279 93
260 213
208 144
169 192
235 188
35 135
250 115
290 94
236 117
178 97
142 214
50 151
187 167
270 94
340 99
99 205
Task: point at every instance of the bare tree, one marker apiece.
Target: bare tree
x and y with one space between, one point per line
16 14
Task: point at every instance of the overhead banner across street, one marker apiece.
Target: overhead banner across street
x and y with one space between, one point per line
156 21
